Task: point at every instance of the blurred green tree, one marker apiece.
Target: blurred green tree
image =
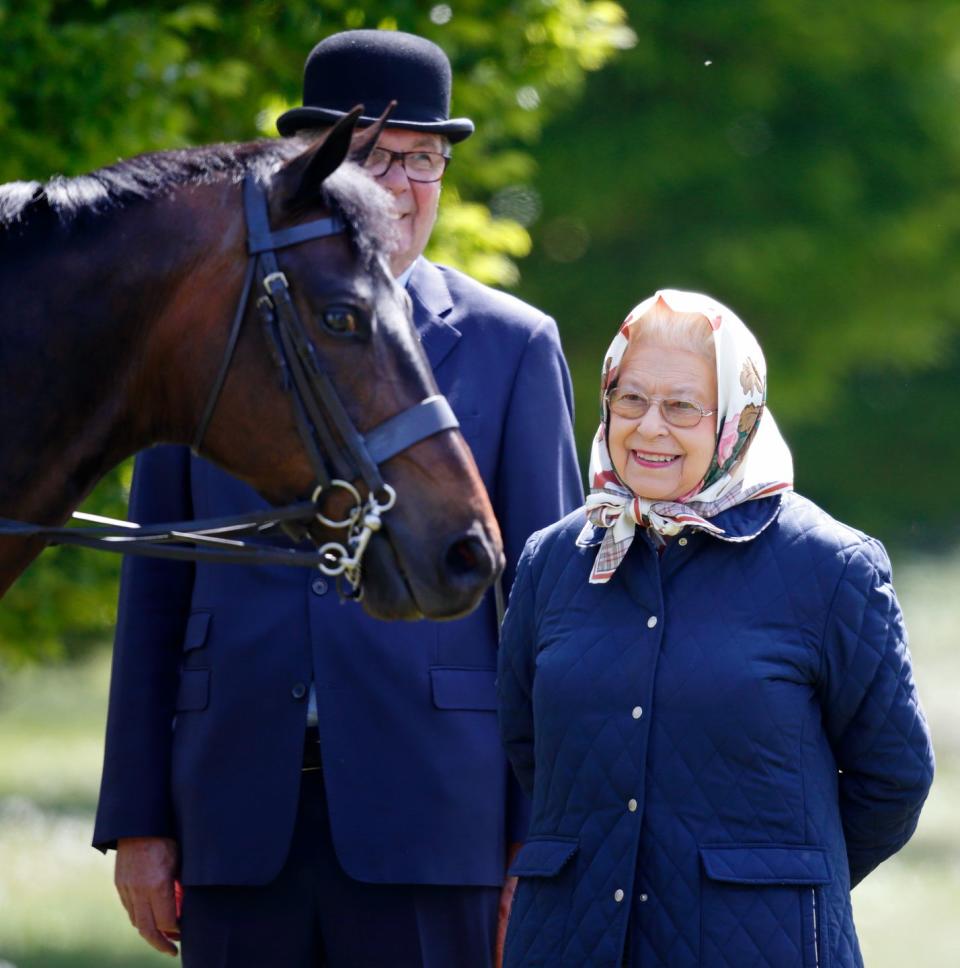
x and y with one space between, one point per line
89 81
801 162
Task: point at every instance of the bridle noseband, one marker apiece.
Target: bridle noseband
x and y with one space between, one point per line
338 452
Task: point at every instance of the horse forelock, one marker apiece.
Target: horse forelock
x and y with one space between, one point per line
365 207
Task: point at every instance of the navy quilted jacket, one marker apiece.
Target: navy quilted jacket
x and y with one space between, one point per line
719 743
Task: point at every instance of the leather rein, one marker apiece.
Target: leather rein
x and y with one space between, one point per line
337 451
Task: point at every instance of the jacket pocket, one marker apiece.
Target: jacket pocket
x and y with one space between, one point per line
761 904
540 916
194 692
195 634
463 688
543 856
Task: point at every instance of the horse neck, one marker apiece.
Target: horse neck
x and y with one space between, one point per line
91 356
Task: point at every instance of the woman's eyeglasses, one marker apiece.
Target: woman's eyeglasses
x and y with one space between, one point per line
632 405
420 166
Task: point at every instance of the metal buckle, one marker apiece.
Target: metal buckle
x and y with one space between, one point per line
277 277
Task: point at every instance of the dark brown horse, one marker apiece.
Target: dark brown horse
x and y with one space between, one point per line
117 291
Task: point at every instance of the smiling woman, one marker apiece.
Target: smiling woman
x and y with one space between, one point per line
702 449
706 689
662 410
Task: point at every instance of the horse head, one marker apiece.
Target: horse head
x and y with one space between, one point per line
439 547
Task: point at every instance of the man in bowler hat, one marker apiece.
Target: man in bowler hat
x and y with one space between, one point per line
363 817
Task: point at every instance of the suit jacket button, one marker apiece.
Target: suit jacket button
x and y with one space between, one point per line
298 691
319 586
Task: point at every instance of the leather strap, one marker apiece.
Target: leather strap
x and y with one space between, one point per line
221 377
216 536
282 238
427 418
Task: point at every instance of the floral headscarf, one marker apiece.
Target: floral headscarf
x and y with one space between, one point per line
751 459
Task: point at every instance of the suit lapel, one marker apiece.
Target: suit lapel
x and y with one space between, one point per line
432 307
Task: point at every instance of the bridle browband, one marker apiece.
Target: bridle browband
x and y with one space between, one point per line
337 451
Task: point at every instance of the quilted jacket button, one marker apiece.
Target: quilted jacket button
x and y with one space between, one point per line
618 895
632 805
637 712
651 622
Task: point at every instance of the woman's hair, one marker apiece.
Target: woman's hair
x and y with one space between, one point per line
685 331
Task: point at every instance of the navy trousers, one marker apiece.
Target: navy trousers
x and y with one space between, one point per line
315 916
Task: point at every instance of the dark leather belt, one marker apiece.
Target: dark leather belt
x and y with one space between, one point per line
311 750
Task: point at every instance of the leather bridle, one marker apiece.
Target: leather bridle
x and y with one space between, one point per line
337 451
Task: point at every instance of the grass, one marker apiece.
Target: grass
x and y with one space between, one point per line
57 902
58 908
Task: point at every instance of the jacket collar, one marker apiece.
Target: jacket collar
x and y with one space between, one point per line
743 522
432 307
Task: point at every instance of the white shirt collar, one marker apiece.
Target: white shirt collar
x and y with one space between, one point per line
404 276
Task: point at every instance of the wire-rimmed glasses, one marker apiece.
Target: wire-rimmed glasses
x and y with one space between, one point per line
632 405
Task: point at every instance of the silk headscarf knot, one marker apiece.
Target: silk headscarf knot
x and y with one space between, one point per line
751 460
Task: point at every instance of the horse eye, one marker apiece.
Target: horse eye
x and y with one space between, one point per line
340 319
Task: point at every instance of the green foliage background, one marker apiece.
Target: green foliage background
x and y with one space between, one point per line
798 161
801 162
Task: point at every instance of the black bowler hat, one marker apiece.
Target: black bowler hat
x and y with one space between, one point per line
372 68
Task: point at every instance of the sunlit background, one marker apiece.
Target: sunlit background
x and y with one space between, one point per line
801 162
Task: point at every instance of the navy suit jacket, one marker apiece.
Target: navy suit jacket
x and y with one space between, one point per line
212 663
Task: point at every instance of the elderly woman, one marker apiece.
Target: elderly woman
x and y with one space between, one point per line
706 689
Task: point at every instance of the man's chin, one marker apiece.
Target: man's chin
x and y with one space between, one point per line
405 251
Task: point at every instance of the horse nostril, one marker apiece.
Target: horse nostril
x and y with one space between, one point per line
469 557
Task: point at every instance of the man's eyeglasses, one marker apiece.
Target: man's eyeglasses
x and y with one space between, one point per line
632 405
420 166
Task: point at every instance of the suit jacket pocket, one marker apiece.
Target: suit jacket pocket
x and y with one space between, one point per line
194 692
457 687
761 904
195 634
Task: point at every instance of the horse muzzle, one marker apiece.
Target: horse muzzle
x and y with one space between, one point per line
465 567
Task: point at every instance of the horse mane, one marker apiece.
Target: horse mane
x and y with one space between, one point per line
74 200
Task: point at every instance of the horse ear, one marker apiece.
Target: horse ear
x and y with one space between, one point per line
321 159
366 140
